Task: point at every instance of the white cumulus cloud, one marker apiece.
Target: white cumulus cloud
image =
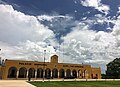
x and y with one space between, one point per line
88 46
97 5
20 32
50 18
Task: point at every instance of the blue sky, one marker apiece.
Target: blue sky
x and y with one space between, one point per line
79 31
66 7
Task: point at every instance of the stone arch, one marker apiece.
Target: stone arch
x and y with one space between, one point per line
40 73
68 73
22 72
74 73
61 73
55 73
12 72
31 73
47 73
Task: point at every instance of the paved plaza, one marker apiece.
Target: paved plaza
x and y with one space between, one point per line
14 83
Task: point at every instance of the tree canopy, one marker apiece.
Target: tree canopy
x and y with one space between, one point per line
113 69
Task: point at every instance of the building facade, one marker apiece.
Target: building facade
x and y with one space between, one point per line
18 69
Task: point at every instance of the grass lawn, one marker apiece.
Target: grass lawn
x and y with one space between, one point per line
78 84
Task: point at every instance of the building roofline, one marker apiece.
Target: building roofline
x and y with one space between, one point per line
43 62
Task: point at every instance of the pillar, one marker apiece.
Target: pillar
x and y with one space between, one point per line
58 74
51 73
87 75
27 73
77 75
44 74
71 73
36 74
83 75
65 73
17 74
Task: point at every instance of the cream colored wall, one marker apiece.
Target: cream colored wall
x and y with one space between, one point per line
96 71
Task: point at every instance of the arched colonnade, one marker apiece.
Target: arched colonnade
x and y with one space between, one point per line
23 72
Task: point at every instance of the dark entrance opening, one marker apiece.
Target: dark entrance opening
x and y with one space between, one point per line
12 72
74 73
55 73
40 73
62 73
31 73
68 73
47 73
22 72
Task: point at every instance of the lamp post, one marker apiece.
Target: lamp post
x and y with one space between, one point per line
44 66
0 59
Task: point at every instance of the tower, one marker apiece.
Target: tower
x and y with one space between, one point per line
54 59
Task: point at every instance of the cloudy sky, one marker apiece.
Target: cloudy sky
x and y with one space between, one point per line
79 31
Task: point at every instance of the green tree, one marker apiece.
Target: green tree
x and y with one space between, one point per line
113 69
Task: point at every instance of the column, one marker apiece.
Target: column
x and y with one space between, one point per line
65 73
71 73
27 74
36 74
58 74
44 74
51 73
77 75
83 75
17 74
87 75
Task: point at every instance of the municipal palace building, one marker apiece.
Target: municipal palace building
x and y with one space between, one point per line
19 69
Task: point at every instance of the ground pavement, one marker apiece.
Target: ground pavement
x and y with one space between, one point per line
14 83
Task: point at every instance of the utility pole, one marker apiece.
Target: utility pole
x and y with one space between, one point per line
44 66
0 59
